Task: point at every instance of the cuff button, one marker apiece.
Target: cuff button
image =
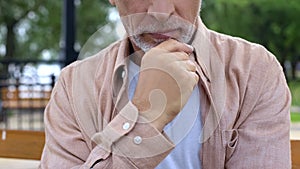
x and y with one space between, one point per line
137 140
126 126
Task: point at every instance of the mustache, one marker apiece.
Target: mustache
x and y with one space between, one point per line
155 29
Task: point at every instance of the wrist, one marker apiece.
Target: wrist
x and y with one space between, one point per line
141 104
155 118
159 126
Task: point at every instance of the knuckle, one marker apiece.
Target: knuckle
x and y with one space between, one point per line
196 77
172 41
183 55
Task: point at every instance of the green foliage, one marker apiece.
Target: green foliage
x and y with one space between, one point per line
271 23
43 33
91 16
295 90
295 117
37 24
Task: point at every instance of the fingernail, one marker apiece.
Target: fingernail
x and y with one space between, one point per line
190 46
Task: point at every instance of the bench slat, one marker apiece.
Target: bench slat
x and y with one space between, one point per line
22 144
295 146
36 99
24 104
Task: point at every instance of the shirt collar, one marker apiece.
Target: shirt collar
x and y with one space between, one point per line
203 48
122 54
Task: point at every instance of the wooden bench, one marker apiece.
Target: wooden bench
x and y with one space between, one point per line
24 105
295 146
21 144
24 99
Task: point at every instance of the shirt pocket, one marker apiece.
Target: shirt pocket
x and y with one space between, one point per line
230 140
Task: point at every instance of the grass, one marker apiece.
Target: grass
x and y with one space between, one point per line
295 91
295 117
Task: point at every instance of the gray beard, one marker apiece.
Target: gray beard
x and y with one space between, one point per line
186 29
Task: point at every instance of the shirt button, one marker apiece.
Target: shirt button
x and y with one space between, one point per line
123 74
126 126
137 140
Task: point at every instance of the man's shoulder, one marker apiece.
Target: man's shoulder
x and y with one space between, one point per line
103 55
246 54
92 62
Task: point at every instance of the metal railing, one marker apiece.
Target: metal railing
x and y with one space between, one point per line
24 94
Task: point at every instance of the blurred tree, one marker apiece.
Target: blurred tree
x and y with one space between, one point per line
12 13
271 23
94 29
32 29
91 16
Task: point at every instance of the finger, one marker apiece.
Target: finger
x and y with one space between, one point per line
195 77
175 56
190 66
187 65
191 79
172 45
181 56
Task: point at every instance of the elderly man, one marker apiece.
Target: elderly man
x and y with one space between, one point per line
172 95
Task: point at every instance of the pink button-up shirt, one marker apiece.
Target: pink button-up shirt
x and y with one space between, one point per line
245 105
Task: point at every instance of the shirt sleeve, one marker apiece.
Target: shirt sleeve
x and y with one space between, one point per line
125 142
262 140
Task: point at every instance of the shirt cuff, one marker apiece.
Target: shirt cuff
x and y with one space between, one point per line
143 141
129 135
117 128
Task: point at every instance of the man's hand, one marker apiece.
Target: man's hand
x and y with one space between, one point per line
166 81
